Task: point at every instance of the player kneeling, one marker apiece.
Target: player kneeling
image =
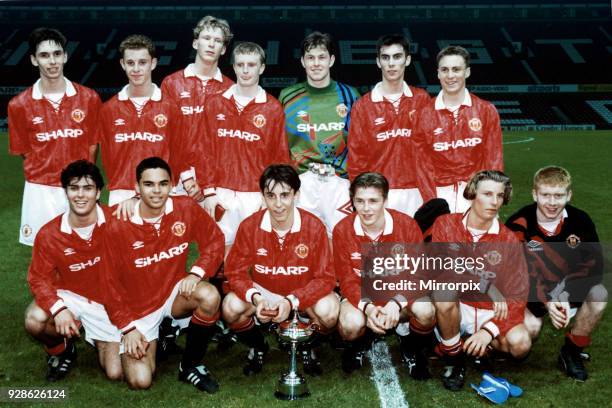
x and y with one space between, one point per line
373 224
281 260
146 279
64 276
493 316
565 266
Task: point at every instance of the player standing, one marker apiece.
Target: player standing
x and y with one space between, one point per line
51 124
317 114
190 87
280 261
380 136
64 278
146 280
565 266
458 132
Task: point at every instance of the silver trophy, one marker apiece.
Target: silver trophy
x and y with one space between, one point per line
292 385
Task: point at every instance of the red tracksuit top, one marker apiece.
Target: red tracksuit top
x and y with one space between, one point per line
458 149
61 259
145 263
237 147
381 140
52 140
127 139
348 239
302 267
509 266
188 92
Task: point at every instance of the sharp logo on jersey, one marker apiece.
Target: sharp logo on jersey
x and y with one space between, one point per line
402 132
301 251
37 120
534 246
356 256
57 134
240 134
119 122
573 241
220 116
342 110
280 270
320 127
137 245
84 265
178 228
302 114
160 256
475 124
190 110
259 121
77 115
438 131
357 272
185 94
69 251
493 257
456 144
262 252
160 120
379 121
133 136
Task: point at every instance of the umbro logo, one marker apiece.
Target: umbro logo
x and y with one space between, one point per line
220 116
185 94
69 251
356 255
379 121
535 245
138 245
37 120
262 252
119 122
438 131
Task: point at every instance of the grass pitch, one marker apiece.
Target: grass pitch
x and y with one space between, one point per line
585 154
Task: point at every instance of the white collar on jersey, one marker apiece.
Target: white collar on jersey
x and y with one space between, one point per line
189 71
493 229
388 225
377 96
137 219
67 229
266 222
259 98
37 92
467 100
123 95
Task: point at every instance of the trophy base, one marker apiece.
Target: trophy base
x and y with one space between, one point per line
291 397
291 386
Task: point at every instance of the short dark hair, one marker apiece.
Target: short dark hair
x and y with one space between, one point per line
494 175
454 50
279 173
79 169
45 34
391 39
370 179
318 39
151 163
246 48
137 42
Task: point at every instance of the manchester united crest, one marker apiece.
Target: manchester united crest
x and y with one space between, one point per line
341 110
77 115
493 257
178 228
397 249
475 124
573 241
160 120
411 114
301 251
26 230
259 121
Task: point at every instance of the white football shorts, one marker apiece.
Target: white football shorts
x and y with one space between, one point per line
406 200
40 205
238 206
453 194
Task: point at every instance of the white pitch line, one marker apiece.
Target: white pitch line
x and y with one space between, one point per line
384 376
529 139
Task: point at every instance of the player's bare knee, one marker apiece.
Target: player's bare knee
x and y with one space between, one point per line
233 308
533 325
35 320
351 326
140 381
114 372
597 298
519 342
444 309
424 312
326 310
208 298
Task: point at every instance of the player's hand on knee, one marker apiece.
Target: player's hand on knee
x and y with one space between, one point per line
125 209
134 344
284 308
477 344
192 188
374 319
188 285
559 313
66 324
390 315
264 311
500 306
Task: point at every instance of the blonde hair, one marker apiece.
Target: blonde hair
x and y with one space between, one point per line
246 48
214 22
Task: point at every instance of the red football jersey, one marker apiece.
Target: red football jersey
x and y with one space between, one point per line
190 93
301 267
126 139
238 146
459 147
349 239
51 140
61 259
381 140
145 263
507 268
